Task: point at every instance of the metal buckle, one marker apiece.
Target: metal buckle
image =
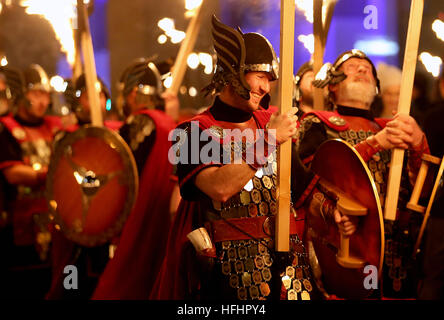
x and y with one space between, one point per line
268 226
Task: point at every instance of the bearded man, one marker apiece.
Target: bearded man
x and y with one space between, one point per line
353 84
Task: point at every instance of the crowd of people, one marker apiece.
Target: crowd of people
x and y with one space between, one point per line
203 229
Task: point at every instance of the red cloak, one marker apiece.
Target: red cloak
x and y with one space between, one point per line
131 273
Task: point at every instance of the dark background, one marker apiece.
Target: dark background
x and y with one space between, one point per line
123 30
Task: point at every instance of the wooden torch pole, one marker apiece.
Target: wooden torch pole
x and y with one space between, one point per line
285 104
408 75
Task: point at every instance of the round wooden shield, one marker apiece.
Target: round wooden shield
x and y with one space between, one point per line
338 164
92 185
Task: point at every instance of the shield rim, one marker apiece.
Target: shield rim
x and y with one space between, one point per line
375 194
131 177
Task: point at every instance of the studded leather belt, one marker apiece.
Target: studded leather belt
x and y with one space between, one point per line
247 228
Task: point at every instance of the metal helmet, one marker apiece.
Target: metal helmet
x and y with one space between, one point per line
144 75
77 89
80 86
36 78
237 54
5 94
14 86
307 66
330 73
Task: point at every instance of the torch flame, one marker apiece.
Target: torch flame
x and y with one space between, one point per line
438 27
167 25
308 41
431 63
60 14
306 6
191 6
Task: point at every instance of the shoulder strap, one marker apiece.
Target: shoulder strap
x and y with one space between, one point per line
331 119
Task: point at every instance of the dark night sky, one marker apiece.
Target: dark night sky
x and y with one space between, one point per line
124 30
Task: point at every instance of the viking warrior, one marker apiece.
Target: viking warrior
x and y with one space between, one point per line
90 259
142 243
81 107
26 140
303 88
142 87
142 91
229 197
353 83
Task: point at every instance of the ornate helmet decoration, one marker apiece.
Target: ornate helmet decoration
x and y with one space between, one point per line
237 54
330 73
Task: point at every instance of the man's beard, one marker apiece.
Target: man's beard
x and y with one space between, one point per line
363 92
